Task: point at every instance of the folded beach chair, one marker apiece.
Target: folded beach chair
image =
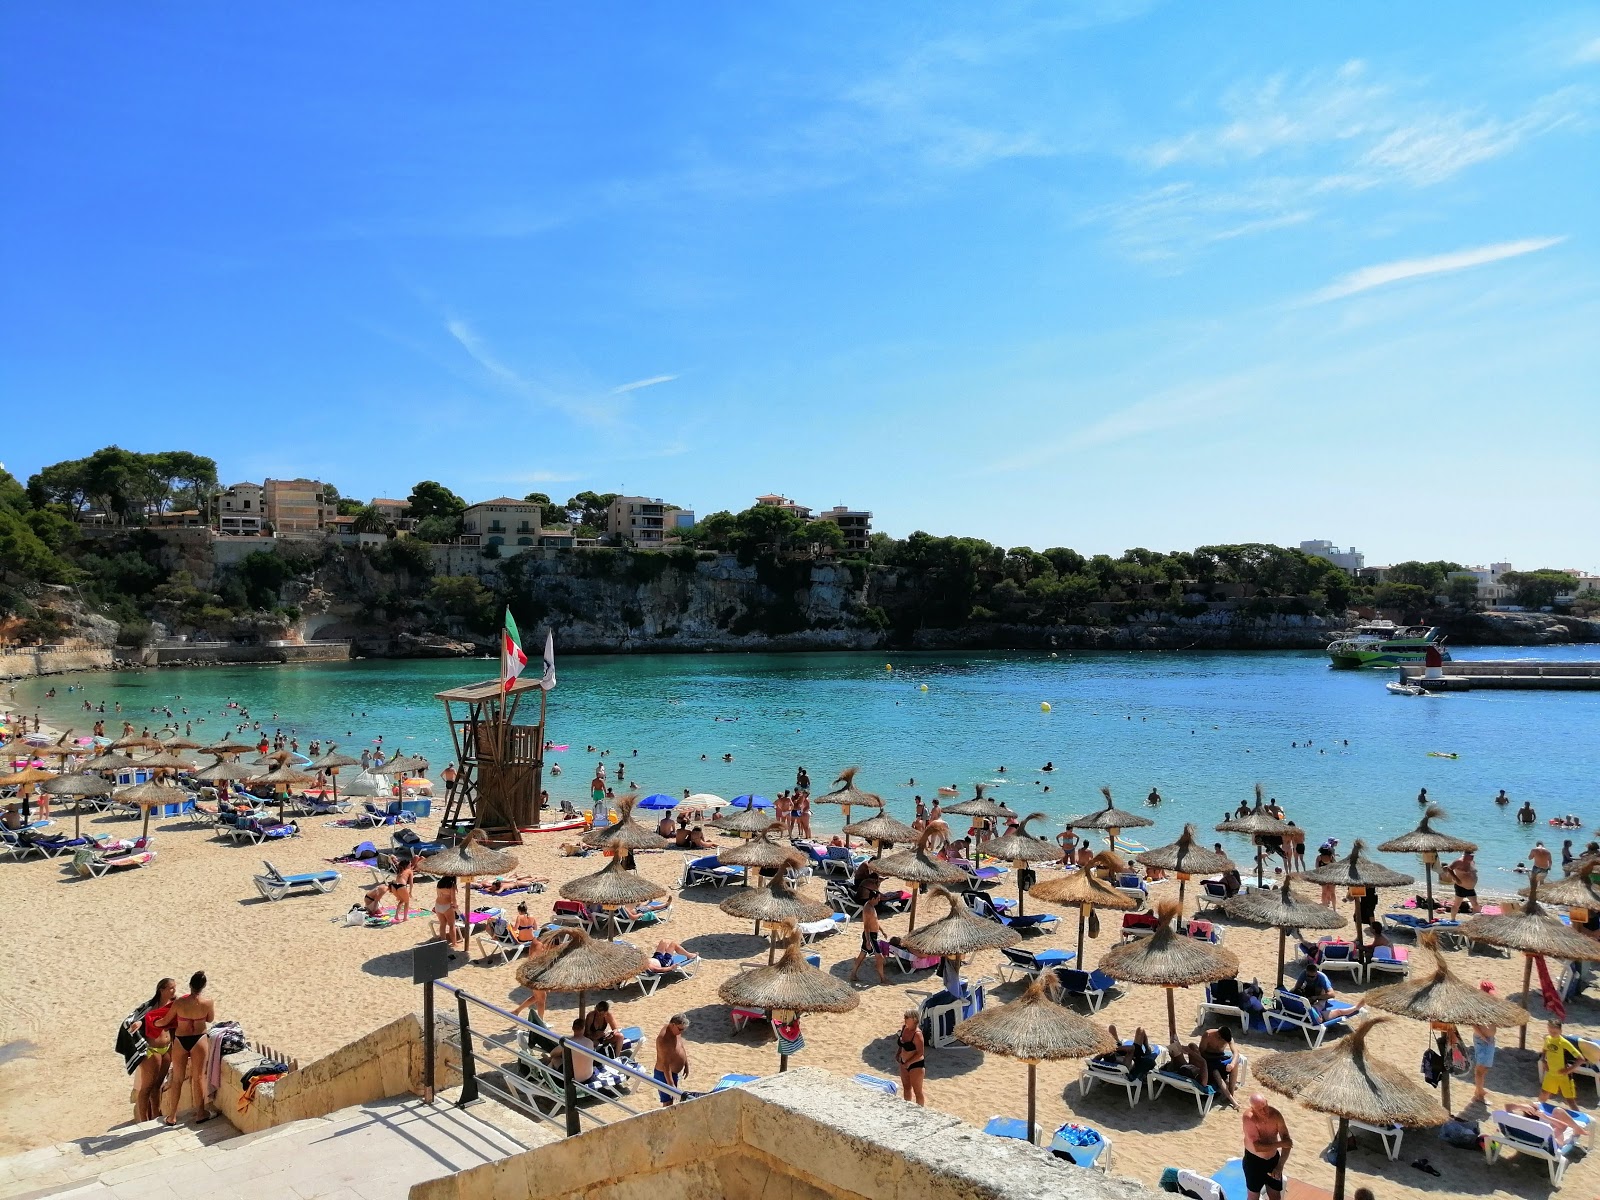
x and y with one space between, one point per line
878 1084
1532 1138
1081 1146
1590 1067
1032 923
707 870
1027 964
682 966
275 885
938 1016
1091 985
1290 1011
1339 957
904 959
810 931
1389 1135
88 864
1390 960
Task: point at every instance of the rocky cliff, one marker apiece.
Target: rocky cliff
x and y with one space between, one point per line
1519 629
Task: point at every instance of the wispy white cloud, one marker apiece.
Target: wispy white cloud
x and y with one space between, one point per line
1383 274
576 404
1588 52
638 384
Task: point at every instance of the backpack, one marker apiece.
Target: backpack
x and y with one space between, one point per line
1432 1067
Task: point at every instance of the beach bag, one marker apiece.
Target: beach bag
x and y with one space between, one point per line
356 916
1461 1134
1094 923
1432 1067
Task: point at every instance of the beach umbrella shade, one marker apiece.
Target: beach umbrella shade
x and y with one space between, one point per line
762 853
59 750
1034 1029
76 786
225 770
467 861
165 760
179 742
150 795
1257 823
1360 874
705 800
659 801
1572 891
1535 933
776 902
745 820
882 830
330 763
626 836
1282 909
751 802
611 887
1184 858
404 764
1167 959
1085 892
1346 1081
26 776
959 932
1442 996
1428 843
572 961
225 747
918 865
1020 848
283 777
980 806
790 985
136 742
1111 820
106 762
847 795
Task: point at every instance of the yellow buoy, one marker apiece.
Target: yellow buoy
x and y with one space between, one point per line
1044 706
922 687
888 666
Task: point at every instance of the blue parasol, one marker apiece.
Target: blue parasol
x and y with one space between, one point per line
658 801
751 802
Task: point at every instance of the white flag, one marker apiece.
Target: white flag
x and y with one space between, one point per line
548 679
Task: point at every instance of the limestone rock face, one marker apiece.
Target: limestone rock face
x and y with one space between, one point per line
1525 629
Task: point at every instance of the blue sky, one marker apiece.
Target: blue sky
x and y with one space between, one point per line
1099 274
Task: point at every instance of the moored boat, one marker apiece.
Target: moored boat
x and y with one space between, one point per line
1385 644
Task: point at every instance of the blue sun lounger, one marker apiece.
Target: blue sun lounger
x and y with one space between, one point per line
275 885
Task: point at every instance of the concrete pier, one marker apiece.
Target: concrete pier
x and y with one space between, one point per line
1471 676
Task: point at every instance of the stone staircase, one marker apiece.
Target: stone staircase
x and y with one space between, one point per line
372 1151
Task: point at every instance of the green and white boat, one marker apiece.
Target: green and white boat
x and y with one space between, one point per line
1385 644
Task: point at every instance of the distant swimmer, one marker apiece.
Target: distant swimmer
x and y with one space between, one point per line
1049 766
1153 798
1502 798
1525 814
1422 796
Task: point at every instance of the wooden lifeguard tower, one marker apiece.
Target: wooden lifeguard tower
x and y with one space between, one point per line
500 764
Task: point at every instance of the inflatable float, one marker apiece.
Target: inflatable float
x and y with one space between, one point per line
1441 754
557 827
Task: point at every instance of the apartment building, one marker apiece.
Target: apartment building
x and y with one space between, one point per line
783 502
239 509
1351 560
296 506
853 523
638 521
502 521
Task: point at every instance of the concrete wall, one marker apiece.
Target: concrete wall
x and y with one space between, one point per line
803 1135
386 1062
24 664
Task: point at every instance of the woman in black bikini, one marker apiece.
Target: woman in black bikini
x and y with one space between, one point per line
189 1018
909 1056
600 1027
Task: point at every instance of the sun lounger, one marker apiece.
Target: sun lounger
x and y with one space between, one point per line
843 898
88 864
904 959
1032 923
58 845
19 848
1163 1078
708 871
1013 1127
1195 1184
1447 930
839 861
1129 884
1028 964
1389 1135
1290 1011
496 940
681 966
1213 894
1203 931
810 931
1340 957
1115 1074
1091 985
941 1012
1138 925
1390 960
1233 1012
1584 1122
732 1081
275 885
878 1084
1590 1067
1081 1146
1532 1138
536 1084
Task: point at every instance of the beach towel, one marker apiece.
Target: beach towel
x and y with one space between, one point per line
1552 997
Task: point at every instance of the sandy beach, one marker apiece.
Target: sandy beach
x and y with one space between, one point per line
83 954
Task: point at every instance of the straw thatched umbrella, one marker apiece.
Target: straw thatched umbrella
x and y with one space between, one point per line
959 932
1347 1082
1184 858
226 770
26 776
179 742
979 806
883 830
1086 892
918 866
1444 997
611 887
1111 820
1428 843
1167 959
1534 932
329 763
572 961
468 861
136 742
61 749
790 985
745 820
225 747
106 762
627 835
778 901
150 795
1572 891
285 776
76 786
1020 848
1257 823
1035 1029
1281 908
847 796
165 760
1360 874
762 853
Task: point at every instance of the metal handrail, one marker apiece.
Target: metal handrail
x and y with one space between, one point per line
573 1113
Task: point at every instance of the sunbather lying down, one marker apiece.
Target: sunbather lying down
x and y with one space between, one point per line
1566 1129
575 849
508 883
661 959
634 911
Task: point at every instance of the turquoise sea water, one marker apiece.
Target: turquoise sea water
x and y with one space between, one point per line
1341 754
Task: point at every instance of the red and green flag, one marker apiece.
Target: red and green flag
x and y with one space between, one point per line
512 657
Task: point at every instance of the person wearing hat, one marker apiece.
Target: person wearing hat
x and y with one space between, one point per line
672 1056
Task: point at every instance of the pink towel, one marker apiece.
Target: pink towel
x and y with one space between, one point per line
1547 988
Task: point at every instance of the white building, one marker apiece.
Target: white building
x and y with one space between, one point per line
502 521
1490 589
239 509
1351 560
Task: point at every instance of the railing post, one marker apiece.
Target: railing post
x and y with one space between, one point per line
469 1068
569 1091
427 1042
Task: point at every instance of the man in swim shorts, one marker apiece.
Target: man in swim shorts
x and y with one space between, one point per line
1465 873
672 1056
1266 1149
